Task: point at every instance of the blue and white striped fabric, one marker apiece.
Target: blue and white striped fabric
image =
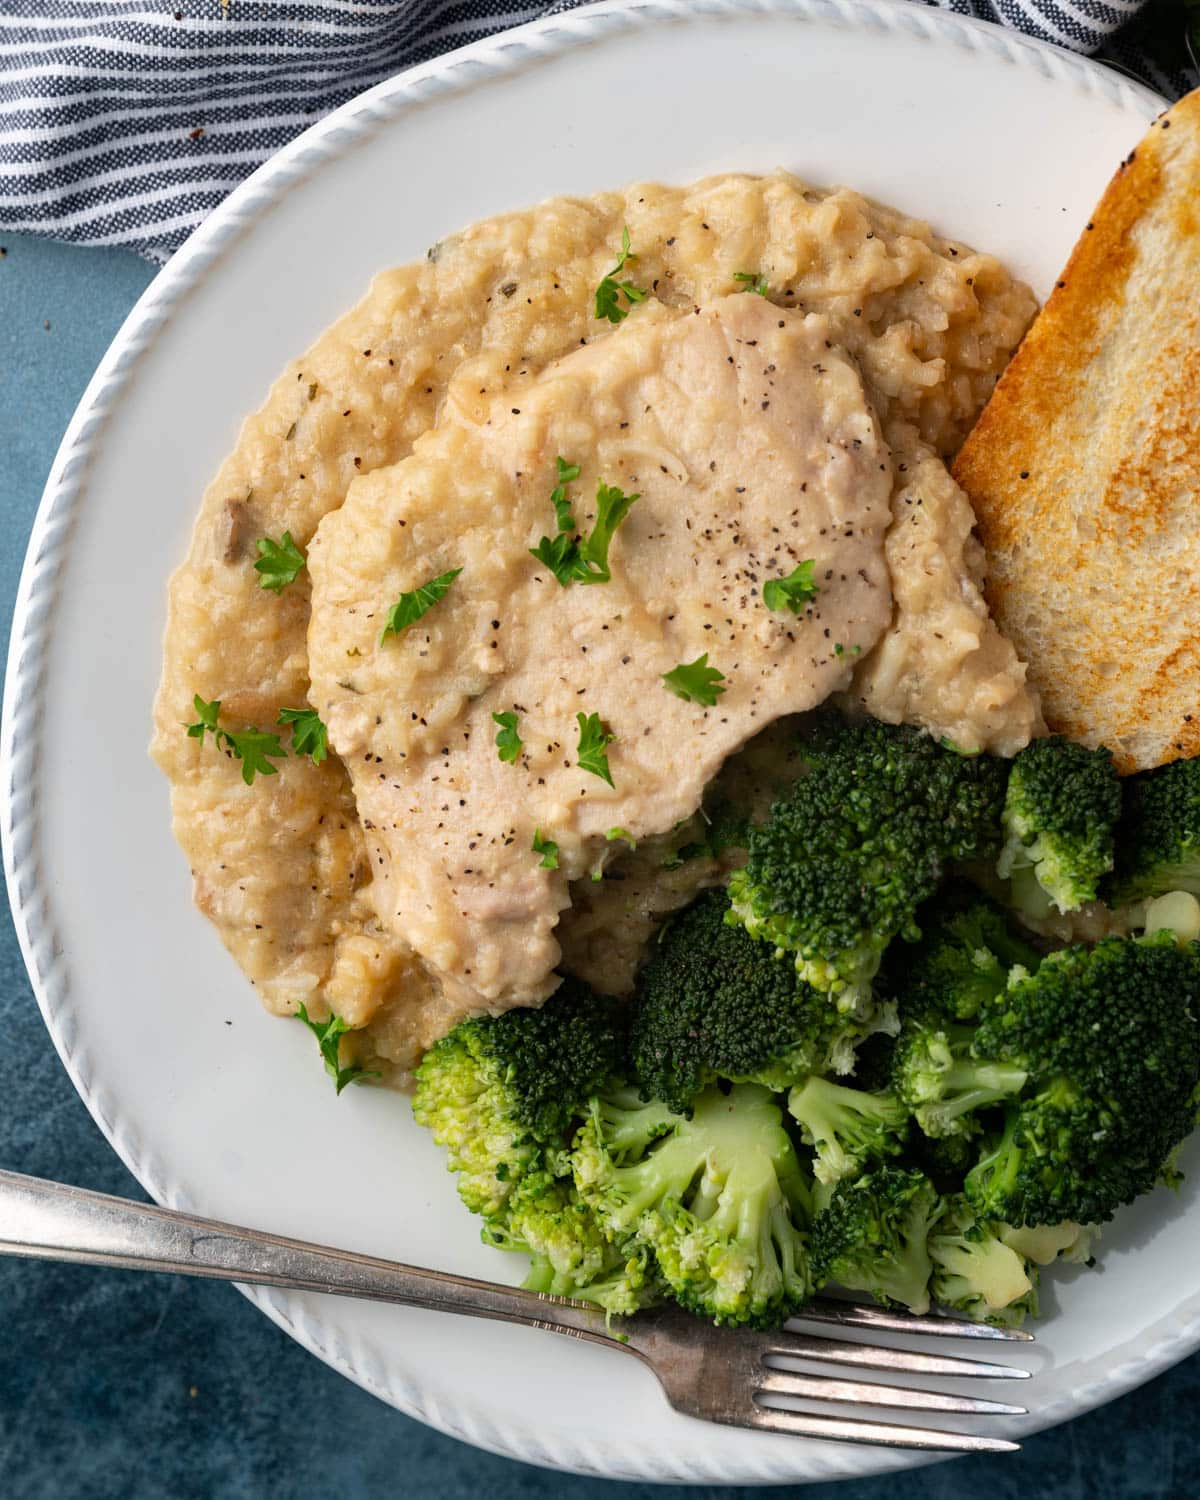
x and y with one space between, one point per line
124 122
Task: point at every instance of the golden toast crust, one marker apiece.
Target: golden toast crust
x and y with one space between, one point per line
1084 469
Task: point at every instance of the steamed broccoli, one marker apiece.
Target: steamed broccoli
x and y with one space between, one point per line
847 1127
976 1272
1109 1039
842 862
1158 836
945 1159
962 960
872 1236
505 1095
961 963
1060 813
936 1074
713 1003
623 1280
719 1199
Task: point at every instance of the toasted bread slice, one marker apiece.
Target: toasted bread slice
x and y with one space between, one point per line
1084 468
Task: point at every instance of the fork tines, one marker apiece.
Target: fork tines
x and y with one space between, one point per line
771 1381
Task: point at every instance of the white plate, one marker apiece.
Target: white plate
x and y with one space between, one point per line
215 1106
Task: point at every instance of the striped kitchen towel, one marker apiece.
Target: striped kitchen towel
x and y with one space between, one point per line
124 122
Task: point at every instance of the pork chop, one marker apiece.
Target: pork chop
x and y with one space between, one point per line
751 447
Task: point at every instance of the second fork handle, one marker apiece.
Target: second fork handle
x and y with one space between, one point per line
51 1221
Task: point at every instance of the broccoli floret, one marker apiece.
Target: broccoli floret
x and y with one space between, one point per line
962 960
847 1127
842 862
976 1272
570 1254
719 1199
1158 836
872 1236
1060 815
945 1159
713 1003
937 1076
623 1280
505 1095
1109 1039
961 963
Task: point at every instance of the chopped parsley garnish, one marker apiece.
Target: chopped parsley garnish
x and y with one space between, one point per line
329 1034
567 474
508 742
621 833
612 506
578 559
208 720
280 563
309 735
794 592
254 748
752 282
547 848
610 290
695 681
561 556
414 603
592 752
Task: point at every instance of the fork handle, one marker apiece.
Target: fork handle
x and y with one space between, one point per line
51 1221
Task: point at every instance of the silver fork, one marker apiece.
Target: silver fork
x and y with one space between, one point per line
719 1375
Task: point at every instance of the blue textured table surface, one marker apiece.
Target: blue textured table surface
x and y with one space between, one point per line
118 1385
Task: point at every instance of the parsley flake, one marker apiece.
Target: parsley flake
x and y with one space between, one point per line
567 474
414 603
592 752
751 282
621 833
509 743
794 592
547 848
309 735
254 748
279 563
695 681
570 557
610 290
207 721
329 1034
612 506
561 556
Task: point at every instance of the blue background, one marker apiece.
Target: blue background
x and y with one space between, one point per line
120 1385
